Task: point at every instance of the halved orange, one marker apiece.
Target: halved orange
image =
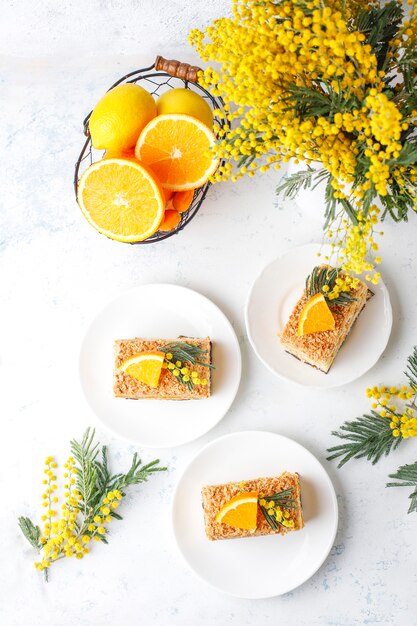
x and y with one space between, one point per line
177 148
146 367
241 511
315 316
121 199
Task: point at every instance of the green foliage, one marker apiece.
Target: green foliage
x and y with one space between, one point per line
367 436
380 25
31 532
322 276
94 479
291 185
85 453
407 475
186 353
282 499
411 371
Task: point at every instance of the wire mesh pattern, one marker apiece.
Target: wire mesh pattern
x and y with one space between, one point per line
156 83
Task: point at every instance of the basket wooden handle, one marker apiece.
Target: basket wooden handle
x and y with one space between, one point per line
178 69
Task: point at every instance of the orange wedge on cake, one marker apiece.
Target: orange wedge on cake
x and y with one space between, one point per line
241 511
121 199
316 316
146 367
177 148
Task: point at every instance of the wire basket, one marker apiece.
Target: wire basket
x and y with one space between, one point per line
164 74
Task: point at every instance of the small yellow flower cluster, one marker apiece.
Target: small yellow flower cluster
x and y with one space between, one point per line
282 517
181 371
304 84
398 405
355 242
68 536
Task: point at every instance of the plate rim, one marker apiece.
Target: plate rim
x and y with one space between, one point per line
291 380
332 492
124 293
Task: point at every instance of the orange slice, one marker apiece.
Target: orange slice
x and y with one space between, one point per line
146 367
241 511
315 316
177 148
121 199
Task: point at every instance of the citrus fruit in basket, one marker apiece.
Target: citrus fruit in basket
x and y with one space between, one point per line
119 117
170 221
177 148
181 200
121 199
182 100
146 367
316 316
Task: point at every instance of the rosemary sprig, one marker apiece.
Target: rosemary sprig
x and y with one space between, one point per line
182 351
367 436
323 276
186 353
407 474
281 499
92 496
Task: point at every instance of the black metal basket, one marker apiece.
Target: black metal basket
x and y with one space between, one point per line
162 75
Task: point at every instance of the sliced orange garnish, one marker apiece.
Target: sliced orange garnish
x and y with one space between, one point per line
177 148
241 511
121 199
315 316
146 367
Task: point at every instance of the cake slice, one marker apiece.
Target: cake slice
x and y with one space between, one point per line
319 349
215 497
170 387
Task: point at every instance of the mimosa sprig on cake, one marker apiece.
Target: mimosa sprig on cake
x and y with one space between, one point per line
330 83
92 496
392 419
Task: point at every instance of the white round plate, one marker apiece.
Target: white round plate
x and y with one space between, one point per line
255 567
270 302
159 311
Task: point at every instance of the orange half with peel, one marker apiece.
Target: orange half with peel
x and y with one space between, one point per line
121 199
241 511
178 148
145 367
316 316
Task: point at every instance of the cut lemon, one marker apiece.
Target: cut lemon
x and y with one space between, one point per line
241 511
146 367
121 199
178 149
315 316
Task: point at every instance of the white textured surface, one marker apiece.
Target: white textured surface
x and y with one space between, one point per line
56 272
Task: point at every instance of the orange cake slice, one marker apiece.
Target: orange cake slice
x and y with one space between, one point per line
319 349
169 386
219 499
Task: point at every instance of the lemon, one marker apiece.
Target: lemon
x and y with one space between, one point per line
187 102
119 117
